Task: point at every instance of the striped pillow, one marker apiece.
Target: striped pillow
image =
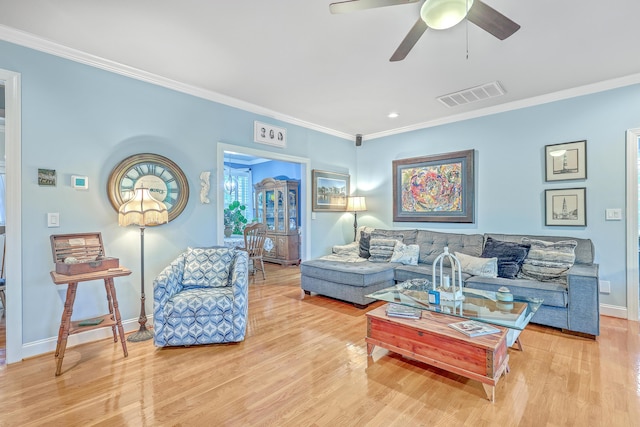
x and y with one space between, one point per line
381 250
548 261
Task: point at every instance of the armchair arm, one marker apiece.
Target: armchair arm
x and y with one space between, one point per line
239 280
165 285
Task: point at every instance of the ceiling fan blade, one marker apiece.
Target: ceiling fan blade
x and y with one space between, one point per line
491 20
409 41
355 5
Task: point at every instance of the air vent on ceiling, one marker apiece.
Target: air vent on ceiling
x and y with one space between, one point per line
478 93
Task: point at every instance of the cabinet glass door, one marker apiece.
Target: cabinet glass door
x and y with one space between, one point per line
269 209
260 207
293 209
281 210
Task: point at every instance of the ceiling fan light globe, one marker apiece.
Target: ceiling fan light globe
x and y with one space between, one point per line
443 14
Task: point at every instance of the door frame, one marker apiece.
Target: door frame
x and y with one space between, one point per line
633 285
13 236
305 188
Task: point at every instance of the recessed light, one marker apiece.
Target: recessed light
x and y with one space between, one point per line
392 115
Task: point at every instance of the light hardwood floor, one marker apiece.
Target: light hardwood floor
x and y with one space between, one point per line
304 363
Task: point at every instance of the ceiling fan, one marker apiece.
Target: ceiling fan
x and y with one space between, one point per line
439 15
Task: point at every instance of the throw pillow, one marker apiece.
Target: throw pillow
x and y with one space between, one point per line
380 250
548 261
365 241
207 267
483 267
405 254
510 256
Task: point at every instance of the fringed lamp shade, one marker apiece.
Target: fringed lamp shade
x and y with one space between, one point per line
142 210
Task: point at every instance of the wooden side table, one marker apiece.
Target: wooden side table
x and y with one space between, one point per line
67 327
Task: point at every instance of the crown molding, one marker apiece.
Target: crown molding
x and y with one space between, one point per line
515 105
31 41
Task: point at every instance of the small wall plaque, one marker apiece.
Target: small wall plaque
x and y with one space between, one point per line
47 177
269 134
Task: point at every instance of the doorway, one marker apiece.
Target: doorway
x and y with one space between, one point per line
632 223
305 187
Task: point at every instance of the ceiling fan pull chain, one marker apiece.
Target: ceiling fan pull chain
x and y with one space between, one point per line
466 28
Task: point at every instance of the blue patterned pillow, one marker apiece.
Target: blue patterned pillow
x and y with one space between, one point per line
207 267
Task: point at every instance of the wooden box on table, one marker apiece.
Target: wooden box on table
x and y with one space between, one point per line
83 253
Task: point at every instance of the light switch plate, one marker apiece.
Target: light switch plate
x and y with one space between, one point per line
53 219
613 214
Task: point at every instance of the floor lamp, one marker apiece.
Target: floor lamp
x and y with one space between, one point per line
356 204
142 210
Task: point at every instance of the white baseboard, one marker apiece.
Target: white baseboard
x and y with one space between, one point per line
48 345
613 311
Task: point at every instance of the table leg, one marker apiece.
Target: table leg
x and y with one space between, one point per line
65 323
116 312
110 304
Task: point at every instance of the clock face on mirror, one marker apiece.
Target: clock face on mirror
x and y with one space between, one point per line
164 179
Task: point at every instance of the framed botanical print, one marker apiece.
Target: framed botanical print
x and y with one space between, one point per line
329 191
566 161
566 206
437 188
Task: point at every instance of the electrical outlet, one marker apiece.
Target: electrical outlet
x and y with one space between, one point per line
605 287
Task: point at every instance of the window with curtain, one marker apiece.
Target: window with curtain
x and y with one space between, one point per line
238 186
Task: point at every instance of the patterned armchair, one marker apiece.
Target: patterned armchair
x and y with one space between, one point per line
201 298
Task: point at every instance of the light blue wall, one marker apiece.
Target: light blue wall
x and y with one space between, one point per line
80 120
509 150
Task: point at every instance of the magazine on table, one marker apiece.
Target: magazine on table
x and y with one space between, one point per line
472 328
399 310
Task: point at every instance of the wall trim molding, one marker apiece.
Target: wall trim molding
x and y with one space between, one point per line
48 345
33 42
614 311
13 236
632 270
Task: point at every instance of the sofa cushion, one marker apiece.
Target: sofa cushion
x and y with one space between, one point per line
432 244
548 261
381 250
362 274
422 271
207 267
484 267
510 256
553 294
405 254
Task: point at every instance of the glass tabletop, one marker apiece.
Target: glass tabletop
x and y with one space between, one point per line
477 304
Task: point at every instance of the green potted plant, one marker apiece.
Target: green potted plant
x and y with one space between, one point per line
234 219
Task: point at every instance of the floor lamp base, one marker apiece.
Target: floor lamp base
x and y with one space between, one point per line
142 335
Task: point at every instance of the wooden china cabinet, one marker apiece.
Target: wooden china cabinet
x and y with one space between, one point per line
277 206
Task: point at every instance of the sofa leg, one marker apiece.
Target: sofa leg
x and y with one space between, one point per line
360 306
579 334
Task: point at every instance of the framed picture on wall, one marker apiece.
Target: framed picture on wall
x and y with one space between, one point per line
567 161
566 206
436 188
329 191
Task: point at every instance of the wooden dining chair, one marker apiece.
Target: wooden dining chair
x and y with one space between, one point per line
254 238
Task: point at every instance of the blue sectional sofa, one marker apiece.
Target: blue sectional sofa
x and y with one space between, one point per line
572 306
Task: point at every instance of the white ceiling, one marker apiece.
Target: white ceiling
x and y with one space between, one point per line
293 60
